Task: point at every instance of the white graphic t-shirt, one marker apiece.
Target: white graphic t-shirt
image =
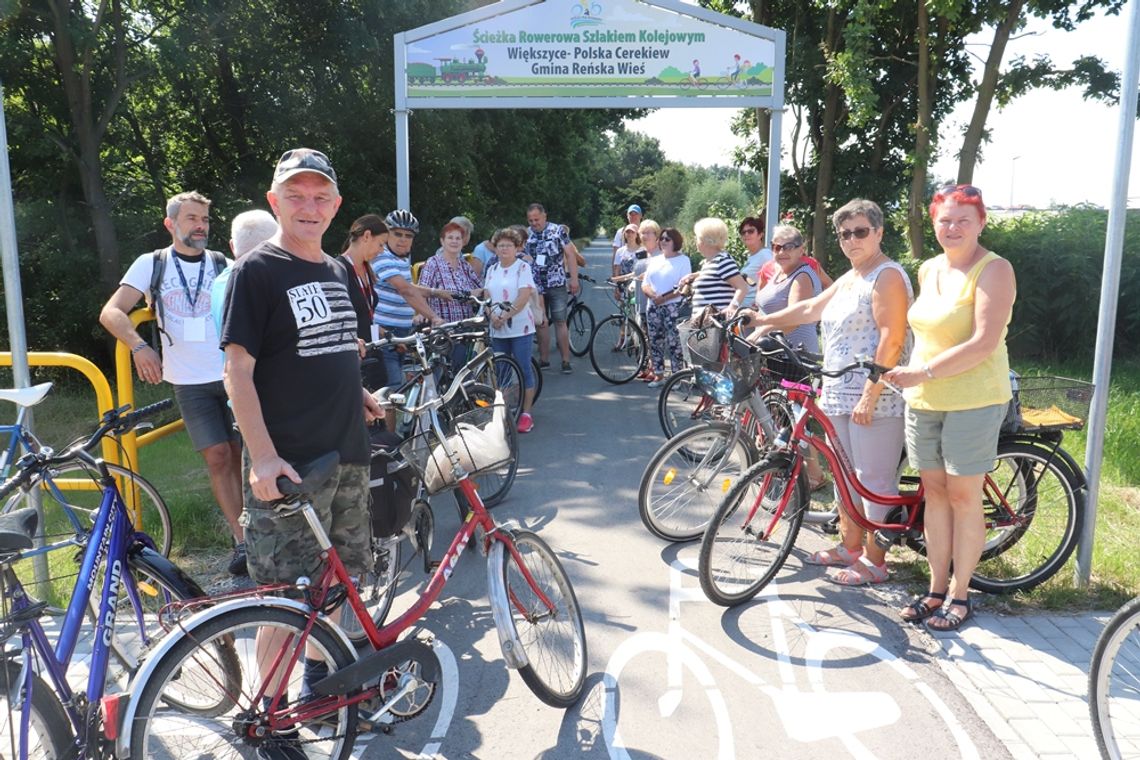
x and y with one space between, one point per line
190 353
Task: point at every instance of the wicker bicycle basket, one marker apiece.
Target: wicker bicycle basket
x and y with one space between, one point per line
479 438
1053 403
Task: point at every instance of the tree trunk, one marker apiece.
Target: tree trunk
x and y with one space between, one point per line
972 141
75 67
916 217
832 102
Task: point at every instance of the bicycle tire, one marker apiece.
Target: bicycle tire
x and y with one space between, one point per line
494 485
537 379
682 405
687 477
157 727
546 636
1050 510
737 561
505 375
377 587
157 582
50 734
580 323
63 567
618 349
1113 689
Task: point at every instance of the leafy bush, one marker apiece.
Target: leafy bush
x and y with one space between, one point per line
1058 259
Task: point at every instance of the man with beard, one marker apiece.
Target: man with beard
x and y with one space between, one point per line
176 282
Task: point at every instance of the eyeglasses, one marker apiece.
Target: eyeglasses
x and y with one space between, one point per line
749 231
402 234
666 239
859 233
777 247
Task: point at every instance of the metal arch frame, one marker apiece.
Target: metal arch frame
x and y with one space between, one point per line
773 103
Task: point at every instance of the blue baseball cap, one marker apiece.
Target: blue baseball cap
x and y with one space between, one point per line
634 207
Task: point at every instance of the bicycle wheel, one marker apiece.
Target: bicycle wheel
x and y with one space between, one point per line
49 730
377 588
580 323
192 666
63 565
537 378
1114 683
1033 515
747 542
684 482
154 582
493 485
554 640
683 405
618 349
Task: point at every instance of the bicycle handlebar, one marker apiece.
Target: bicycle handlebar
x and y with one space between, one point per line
113 422
783 347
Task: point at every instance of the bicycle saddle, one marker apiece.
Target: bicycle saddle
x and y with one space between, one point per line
26 396
17 529
313 474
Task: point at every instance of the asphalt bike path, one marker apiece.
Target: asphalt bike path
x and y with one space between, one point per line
807 670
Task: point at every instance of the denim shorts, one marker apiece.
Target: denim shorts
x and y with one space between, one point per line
205 410
961 443
556 300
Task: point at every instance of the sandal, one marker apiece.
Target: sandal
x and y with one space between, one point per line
861 573
919 610
839 556
951 621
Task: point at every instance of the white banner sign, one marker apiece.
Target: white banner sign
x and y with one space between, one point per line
606 48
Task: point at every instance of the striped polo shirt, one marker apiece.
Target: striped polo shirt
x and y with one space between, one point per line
391 308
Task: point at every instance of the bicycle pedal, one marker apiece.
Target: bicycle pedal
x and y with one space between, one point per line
431 565
831 527
885 539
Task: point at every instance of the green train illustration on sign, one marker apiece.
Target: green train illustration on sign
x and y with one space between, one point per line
449 70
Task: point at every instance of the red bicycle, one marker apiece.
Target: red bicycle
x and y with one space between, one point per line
1033 497
273 674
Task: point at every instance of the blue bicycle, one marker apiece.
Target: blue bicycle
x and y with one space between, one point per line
126 583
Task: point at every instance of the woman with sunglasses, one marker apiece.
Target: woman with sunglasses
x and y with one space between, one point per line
862 314
958 388
662 278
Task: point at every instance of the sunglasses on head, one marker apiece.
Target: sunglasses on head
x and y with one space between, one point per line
777 247
859 233
967 190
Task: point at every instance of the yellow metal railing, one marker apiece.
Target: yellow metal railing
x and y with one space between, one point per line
130 442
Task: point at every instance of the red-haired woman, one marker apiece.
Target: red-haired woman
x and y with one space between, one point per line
447 270
958 388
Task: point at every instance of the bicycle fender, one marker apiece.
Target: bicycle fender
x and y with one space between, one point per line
175 635
513 652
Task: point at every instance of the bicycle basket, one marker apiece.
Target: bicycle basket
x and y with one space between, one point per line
477 438
1053 403
702 346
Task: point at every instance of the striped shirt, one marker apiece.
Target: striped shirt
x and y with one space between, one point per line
391 308
711 287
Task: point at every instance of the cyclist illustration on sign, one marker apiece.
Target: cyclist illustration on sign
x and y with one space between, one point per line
695 74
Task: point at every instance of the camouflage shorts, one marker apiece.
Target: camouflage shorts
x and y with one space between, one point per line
280 549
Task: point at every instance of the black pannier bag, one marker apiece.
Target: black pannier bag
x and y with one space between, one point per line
392 484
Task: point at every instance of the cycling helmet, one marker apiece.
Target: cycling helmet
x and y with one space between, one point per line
402 219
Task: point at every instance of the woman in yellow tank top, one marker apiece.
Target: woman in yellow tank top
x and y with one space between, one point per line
957 389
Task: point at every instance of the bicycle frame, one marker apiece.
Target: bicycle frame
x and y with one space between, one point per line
805 409
110 539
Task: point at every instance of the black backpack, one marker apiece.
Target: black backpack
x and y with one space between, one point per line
153 295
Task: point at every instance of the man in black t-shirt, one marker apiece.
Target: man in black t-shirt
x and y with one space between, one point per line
293 375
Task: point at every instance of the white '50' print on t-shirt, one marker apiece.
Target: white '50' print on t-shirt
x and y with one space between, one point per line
309 304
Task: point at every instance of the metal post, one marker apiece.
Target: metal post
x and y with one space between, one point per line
1110 283
14 303
772 202
403 159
